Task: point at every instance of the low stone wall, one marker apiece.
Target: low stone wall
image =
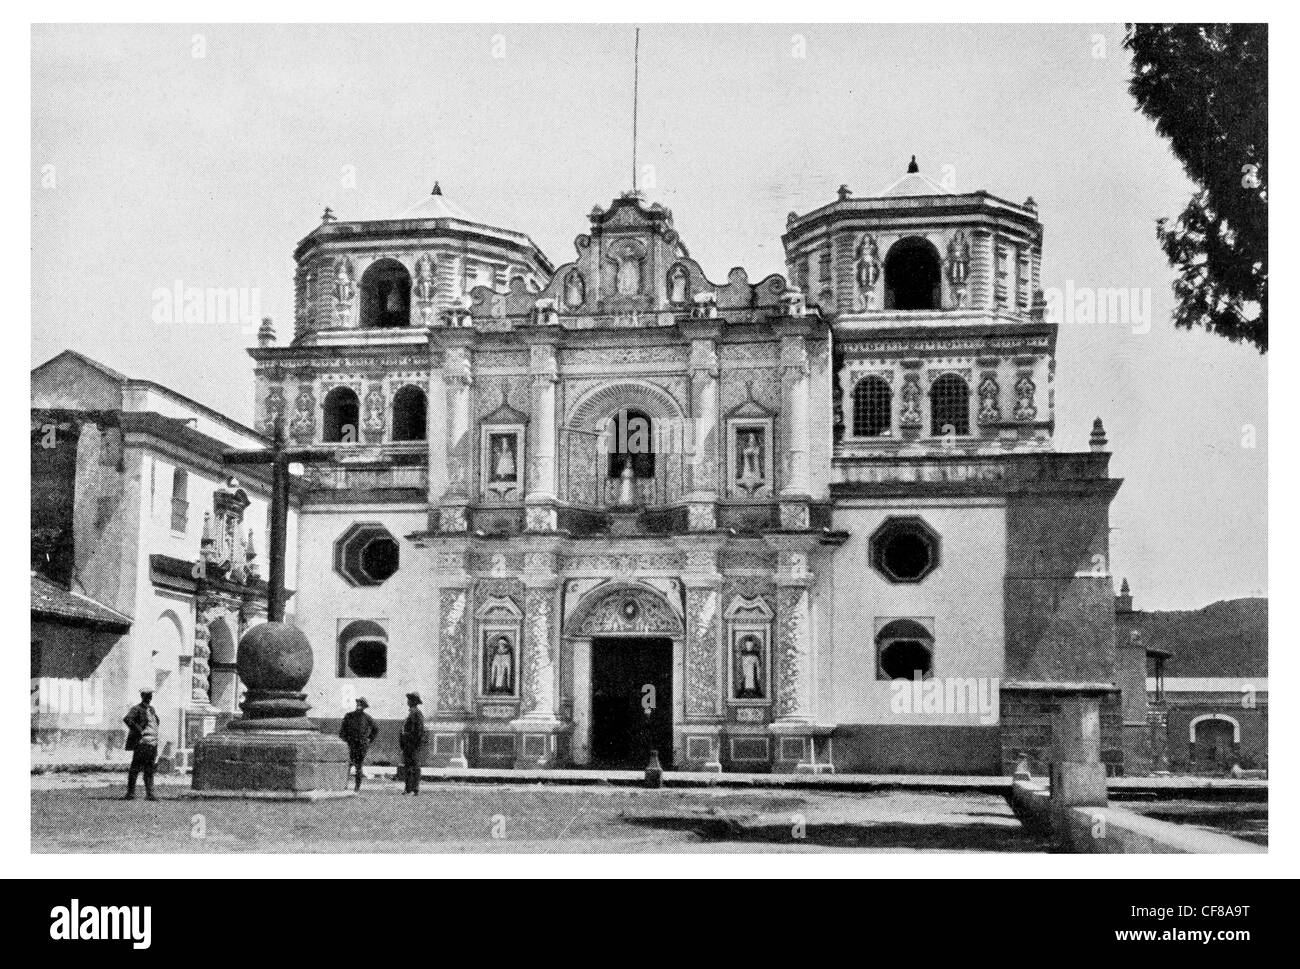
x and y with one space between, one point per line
1112 830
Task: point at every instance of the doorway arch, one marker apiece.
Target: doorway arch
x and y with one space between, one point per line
620 633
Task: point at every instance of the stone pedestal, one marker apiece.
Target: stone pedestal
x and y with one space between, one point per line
801 748
273 750
537 745
1078 777
302 763
701 746
448 744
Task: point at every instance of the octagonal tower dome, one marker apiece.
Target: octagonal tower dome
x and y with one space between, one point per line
396 274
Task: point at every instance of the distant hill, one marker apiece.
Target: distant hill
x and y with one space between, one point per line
1224 639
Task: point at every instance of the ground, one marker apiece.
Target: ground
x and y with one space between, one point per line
85 814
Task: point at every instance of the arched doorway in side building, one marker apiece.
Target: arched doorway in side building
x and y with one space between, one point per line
1214 742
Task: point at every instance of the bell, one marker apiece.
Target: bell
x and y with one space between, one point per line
393 302
654 772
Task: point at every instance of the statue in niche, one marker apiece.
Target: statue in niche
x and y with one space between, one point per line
750 660
627 280
958 258
677 285
866 270
750 473
303 424
343 288
424 284
575 291
500 667
504 461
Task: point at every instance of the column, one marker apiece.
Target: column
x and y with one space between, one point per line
795 383
703 676
458 378
801 744
448 732
542 467
702 438
539 728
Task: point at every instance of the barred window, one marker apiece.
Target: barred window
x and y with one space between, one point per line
872 403
949 406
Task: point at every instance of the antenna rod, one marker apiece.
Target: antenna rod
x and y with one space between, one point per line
636 81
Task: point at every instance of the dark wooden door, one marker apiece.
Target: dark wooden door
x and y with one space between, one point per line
631 701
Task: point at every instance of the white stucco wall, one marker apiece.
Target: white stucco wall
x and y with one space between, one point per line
156 650
963 597
406 604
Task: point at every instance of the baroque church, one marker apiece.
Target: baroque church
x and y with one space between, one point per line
811 522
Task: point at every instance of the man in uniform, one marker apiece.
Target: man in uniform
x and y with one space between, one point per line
142 740
411 740
359 731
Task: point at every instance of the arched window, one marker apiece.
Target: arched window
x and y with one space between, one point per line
631 438
409 414
904 649
949 406
872 403
363 650
386 295
223 668
342 412
912 275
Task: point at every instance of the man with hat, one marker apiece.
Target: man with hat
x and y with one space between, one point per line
411 740
359 731
142 740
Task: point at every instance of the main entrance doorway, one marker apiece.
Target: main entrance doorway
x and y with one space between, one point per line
631 701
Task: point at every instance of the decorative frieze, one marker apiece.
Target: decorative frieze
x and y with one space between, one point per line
453 651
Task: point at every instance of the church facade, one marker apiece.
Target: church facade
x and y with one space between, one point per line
810 522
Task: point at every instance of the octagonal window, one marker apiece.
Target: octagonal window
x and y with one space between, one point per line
904 549
366 554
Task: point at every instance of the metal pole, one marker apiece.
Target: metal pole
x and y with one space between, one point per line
636 80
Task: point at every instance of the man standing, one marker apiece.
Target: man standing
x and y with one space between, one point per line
359 731
411 741
142 740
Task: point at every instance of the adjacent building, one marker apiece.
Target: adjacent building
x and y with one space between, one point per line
146 560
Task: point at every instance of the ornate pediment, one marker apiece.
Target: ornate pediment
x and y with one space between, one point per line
624 609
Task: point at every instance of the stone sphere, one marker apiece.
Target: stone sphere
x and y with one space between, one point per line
275 656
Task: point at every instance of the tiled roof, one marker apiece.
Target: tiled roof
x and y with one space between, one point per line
51 601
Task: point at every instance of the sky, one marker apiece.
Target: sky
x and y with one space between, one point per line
204 154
